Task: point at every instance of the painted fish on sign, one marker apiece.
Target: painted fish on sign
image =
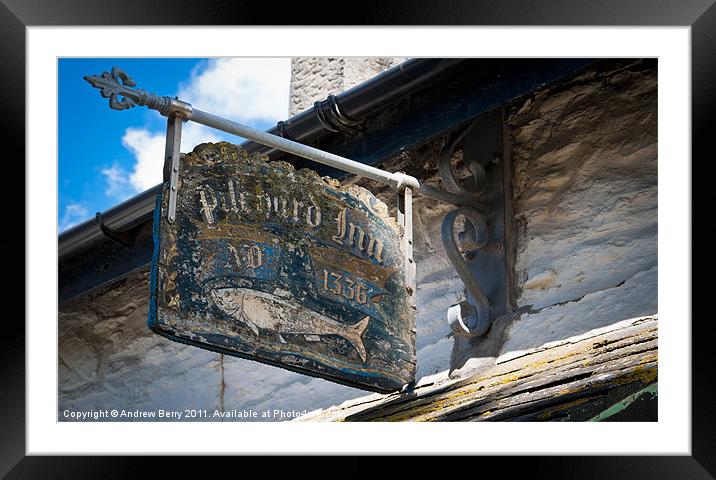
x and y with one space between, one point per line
283 267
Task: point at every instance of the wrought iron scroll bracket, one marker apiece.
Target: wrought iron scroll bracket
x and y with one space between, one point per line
472 316
474 236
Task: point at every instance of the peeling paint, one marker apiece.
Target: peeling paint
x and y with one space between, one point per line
284 267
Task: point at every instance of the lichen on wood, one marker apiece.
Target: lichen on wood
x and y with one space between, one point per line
571 381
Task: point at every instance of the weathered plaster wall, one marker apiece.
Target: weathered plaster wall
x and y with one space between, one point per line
584 158
585 202
108 358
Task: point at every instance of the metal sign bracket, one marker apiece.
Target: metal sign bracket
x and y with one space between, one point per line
475 241
405 219
171 162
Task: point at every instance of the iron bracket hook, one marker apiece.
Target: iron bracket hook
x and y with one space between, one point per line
472 316
124 238
477 250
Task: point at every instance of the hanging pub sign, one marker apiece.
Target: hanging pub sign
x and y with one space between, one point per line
283 267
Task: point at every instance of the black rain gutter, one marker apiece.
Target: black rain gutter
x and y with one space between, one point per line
356 103
363 99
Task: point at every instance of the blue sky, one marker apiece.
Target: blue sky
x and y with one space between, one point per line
107 156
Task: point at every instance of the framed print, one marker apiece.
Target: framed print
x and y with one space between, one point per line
471 241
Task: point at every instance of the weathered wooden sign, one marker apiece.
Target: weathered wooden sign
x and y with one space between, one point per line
283 267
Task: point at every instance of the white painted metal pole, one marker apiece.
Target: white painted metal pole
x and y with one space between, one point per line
397 179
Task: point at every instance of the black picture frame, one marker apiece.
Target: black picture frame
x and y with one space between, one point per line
16 15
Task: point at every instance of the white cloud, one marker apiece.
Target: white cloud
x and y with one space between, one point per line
242 89
148 150
74 214
119 186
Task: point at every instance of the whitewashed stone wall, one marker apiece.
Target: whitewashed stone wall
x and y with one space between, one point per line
584 158
585 189
109 359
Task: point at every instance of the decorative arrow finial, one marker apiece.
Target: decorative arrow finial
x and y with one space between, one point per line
112 85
